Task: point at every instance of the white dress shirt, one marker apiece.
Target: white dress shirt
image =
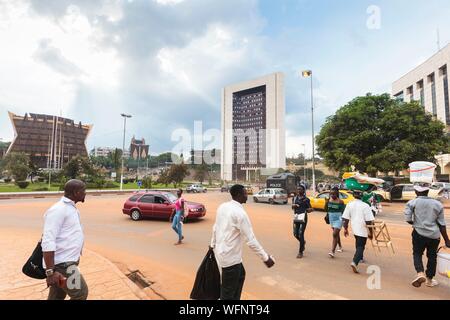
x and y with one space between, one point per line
231 229
63 232
358 213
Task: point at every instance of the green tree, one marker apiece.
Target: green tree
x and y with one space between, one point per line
79 167
201 172
177 173
18 165
164 177
377 133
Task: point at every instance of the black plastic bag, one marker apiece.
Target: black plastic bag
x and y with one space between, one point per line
33 267
207 281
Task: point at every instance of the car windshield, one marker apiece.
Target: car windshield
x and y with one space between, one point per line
172 198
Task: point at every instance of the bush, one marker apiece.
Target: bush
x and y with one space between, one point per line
42 189
41 179
22 184
125 181
110 185
7 180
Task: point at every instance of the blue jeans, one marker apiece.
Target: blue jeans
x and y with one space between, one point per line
176 224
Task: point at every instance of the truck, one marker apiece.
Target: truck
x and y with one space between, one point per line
286 181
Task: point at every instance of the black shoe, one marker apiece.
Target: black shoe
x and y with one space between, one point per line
300 255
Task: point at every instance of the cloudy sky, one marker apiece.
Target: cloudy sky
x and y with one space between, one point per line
165 61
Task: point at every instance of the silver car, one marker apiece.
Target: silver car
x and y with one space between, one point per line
271 195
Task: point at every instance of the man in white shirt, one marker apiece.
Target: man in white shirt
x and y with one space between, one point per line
360 215
231 229
62 244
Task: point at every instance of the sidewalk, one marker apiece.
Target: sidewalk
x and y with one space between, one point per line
104 279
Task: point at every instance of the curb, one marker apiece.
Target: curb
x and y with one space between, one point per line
133 287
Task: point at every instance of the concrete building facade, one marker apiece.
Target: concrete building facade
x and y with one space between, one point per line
253 131
428 84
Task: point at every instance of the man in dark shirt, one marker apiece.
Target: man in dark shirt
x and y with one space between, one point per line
301 206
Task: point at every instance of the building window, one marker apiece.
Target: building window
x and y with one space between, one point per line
443 71
421 92
399 96
431 81
410 91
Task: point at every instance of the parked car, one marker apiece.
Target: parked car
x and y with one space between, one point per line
158 204
196 188
271 195
226 188
318 202
406 192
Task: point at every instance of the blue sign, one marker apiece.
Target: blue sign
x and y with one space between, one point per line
139 183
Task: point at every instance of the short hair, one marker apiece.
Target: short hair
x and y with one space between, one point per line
335 189
302 187
236 190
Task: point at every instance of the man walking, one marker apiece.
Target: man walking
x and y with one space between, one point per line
231 229
360 215
426 215
62 244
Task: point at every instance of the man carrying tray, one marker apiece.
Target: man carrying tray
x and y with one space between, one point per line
426 215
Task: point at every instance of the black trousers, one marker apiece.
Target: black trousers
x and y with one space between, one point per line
299 234
420 243
360 244
232 282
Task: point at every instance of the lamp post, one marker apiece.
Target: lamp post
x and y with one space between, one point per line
125 116
304 163
308 74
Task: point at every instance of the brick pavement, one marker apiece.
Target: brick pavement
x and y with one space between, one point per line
104 279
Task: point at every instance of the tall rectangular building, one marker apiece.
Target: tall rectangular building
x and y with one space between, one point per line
428 84
253 132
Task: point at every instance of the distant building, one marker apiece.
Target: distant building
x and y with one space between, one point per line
428 84
138 149
253 132
101 151
50 141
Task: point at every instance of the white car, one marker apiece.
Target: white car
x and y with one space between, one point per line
271 195
196 188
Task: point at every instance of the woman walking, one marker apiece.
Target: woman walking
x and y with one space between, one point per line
301 206
178 217
335 208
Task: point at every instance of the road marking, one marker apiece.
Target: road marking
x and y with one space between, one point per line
293 287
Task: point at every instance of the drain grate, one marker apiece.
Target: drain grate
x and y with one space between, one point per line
139 279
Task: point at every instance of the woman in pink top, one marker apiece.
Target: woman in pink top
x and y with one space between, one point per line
178 217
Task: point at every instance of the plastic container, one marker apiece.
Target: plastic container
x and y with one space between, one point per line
443 264
421 171
352 184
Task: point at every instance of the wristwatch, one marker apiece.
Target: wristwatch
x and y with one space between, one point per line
49 272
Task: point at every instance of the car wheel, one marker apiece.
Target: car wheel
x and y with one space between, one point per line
285 202
135 215
271 201
255 199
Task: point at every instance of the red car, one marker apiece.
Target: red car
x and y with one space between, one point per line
158 204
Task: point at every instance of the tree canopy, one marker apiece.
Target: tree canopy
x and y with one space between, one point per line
377 133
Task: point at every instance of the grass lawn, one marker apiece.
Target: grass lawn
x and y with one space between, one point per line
40 186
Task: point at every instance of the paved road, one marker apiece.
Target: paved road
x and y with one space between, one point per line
148 246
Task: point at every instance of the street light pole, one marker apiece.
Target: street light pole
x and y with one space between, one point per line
125 116
308 74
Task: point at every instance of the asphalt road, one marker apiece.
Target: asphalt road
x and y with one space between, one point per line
148 246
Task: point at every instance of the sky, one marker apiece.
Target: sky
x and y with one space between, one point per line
165 62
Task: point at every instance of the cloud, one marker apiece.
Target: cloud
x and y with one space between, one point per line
54 59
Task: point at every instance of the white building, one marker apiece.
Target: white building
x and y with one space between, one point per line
105 151
428 84
253 132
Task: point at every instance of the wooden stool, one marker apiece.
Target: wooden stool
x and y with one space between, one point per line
380 236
